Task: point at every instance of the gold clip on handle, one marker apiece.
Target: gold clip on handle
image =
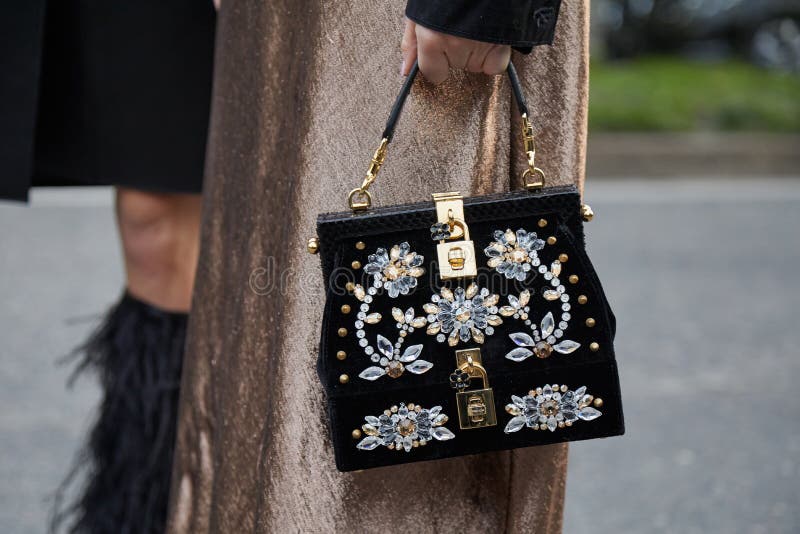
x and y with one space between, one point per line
359 198
533 177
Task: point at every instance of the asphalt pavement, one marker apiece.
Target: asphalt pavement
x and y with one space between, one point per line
703 278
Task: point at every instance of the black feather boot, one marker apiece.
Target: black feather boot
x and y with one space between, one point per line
137 353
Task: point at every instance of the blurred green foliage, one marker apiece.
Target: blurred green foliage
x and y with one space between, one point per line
672 94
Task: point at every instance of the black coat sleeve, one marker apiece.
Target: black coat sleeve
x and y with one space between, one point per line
519 23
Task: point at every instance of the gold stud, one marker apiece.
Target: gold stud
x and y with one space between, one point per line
594 346
313 245
356 434
342 332
356 264
583 299
345 308
590 322
598 402
360 245
341 355
563 258
551 240
344 379
542 223
573 279
586 212
350 286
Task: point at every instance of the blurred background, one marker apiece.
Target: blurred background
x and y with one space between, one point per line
693 173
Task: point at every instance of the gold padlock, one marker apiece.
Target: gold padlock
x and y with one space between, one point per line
475 406
456 254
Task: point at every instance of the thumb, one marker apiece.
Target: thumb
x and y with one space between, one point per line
408 47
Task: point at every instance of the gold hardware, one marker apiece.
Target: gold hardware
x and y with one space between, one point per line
456 254
533 177
594 347
342 332
350 287
360 245
313 245
542 223
345 308
583 299
341 355
598 402
359 198
551 240
573 279
356 264
563 258
475 406
590 322
587 214
356 434
344 379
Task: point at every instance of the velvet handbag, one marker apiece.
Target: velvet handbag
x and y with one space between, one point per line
463 325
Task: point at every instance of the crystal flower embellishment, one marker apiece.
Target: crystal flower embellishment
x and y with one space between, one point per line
464 314
543 343
396 270
393 363
405 427
514 254
551 407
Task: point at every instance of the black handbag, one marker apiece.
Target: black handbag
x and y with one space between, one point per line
463 325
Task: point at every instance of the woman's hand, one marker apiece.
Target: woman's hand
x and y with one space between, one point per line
437 52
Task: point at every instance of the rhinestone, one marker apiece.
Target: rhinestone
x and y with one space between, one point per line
372 291
565 307
368 299
489 330
440 338
360 334
359 292
363 342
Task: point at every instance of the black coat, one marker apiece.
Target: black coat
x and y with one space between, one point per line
117 92
104 92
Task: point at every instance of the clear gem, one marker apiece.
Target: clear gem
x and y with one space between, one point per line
519 354
588 414
515 424
552 424
442 433
521 339
372 373
418 367
369 443
411 353
385 346
548 324
567 346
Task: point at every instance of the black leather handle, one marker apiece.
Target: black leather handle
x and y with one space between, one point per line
388 132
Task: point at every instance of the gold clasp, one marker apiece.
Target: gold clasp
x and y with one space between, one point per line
359 199
456 254
533 177
475 406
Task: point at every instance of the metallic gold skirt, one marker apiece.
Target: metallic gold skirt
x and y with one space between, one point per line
302 91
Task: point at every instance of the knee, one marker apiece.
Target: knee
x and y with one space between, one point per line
159 233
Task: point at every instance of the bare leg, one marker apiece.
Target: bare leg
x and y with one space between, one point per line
160 241
138 353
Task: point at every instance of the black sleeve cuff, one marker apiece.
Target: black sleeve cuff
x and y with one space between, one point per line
522 24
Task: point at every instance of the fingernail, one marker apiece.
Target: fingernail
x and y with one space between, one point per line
403 67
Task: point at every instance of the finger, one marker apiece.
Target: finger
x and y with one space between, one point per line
432 60
497 59
458 51
408 47
477 58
